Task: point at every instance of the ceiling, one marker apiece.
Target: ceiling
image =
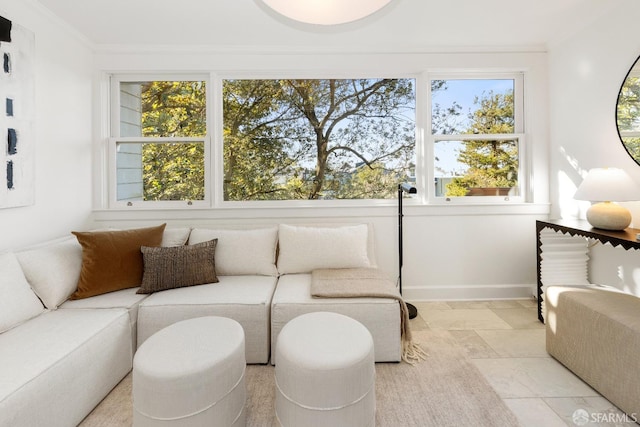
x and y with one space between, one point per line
404 25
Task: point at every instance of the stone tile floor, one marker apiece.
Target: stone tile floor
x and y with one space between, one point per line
506 342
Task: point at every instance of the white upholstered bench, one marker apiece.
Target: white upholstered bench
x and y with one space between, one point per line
595 333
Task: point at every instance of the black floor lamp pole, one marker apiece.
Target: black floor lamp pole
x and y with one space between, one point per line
413 311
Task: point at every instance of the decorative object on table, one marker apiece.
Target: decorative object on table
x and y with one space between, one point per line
17 98
327 12
413 311
606 186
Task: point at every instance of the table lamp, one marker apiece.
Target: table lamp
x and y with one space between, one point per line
606 186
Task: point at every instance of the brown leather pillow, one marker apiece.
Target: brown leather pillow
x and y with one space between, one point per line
178 267
111 260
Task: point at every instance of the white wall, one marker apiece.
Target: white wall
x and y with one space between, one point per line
586 72
63 131
450 252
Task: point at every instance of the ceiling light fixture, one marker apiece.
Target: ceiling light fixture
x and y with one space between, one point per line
326 12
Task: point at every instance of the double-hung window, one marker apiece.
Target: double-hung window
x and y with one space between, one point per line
476 138
158 146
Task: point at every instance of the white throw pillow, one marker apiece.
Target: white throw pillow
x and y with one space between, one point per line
53 270
304 249
175 236
18 303
247 251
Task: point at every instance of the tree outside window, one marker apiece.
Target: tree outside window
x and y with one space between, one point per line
317 139
488 163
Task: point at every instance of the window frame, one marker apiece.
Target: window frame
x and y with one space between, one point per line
519 135
217 81
213 140
114 138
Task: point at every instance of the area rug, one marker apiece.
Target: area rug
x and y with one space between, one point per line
444 390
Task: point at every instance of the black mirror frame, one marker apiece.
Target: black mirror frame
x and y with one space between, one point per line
636 62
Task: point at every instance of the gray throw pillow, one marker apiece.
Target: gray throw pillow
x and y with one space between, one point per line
178 266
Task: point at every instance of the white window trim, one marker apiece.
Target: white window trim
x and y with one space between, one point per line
213 142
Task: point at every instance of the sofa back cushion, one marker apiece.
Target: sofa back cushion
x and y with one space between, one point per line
18 303
175 236
303 249
53 270
241 252
112 260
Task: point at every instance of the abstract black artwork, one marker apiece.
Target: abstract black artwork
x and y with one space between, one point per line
12 141
17 96
5 30
10 174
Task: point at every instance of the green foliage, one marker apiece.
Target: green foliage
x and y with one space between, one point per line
628 114
312 139
309 139
628 107
173 171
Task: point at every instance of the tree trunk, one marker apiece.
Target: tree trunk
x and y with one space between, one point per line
321 165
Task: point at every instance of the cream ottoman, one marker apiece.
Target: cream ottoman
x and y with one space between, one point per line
191 373
325 375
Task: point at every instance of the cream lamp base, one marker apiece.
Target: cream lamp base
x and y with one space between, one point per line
608 216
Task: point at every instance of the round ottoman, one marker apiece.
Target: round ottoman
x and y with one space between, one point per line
191 373
325 372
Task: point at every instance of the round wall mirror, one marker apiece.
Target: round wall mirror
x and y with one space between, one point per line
628 112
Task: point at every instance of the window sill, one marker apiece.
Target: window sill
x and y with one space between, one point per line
289 212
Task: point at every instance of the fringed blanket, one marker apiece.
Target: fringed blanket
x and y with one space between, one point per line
366 283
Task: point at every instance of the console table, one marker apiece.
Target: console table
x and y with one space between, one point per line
625 238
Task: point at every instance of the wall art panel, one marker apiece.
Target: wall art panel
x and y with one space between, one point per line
17 112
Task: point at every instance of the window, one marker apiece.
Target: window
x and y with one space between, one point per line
317 139
477 137
291 140
158 144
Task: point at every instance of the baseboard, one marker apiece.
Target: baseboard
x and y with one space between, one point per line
468 292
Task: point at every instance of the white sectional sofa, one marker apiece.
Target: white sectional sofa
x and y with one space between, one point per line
59 357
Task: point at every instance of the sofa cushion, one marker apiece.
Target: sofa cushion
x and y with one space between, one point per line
126 299
304 249
53 269
58 366
245 299
112 260
178 266
175 236
18 303
380 315
241 252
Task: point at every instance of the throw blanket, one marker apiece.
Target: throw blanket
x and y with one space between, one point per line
371 283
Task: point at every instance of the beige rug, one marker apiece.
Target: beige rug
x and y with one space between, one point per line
445 390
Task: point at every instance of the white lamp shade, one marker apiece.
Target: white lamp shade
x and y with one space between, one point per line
326 12
607 185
